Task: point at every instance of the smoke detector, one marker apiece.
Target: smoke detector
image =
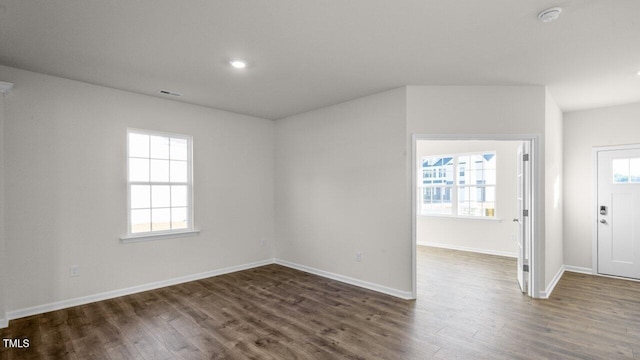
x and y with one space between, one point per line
549 14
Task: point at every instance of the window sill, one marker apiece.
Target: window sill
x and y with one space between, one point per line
158 236
455 217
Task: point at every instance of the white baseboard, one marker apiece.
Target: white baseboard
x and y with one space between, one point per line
40 309
577 269
127 291
407 295
469 249
545 294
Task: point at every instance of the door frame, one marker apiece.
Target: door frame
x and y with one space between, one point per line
535 261
594 203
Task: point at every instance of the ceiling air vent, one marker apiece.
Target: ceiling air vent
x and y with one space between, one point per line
167 92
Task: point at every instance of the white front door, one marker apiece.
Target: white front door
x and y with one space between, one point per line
522 219
618 212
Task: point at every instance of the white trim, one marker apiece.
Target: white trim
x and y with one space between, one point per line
414 215
579 270
469 249
4 323
151 236
39 309
460 217
594 211
348 280
545 294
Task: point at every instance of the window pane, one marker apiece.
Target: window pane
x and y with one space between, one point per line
179 218
620 170
489 177
140 196
140 221
160 196
428 206
447 205
489 161
463 170
178 171
477 160
448 171
490 194
463 201
159 147
634 165
178 149
138 145
179 195
489 209
138 170
160 170
489 204
476 196
479 176
160 219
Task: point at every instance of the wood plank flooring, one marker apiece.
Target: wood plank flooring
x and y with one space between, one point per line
468 307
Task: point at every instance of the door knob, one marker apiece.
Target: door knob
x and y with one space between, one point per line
515 220
603 221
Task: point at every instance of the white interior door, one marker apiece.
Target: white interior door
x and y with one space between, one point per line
618 212
522 218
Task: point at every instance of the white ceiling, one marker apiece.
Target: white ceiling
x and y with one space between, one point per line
307 54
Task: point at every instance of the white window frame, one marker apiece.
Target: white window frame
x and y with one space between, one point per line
455 187
161 234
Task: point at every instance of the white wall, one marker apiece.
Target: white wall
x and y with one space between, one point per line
340 189
65 179
3 257
553 194
482 235
489 110
584 130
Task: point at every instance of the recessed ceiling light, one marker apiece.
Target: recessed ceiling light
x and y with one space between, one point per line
238 64
549 14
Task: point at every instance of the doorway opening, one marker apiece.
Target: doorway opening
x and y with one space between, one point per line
475 193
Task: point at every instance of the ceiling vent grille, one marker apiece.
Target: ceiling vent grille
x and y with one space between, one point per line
167 92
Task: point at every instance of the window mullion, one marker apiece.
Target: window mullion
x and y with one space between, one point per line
454 196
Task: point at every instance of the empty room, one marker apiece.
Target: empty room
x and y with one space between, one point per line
293 179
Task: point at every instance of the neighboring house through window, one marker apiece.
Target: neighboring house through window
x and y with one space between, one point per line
458 185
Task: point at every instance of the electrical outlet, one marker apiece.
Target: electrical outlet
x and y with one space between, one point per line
358 257
74 270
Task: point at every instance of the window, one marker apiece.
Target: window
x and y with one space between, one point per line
437 185
159 183
626 171
458 185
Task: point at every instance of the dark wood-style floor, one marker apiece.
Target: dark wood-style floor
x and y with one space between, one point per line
469 307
